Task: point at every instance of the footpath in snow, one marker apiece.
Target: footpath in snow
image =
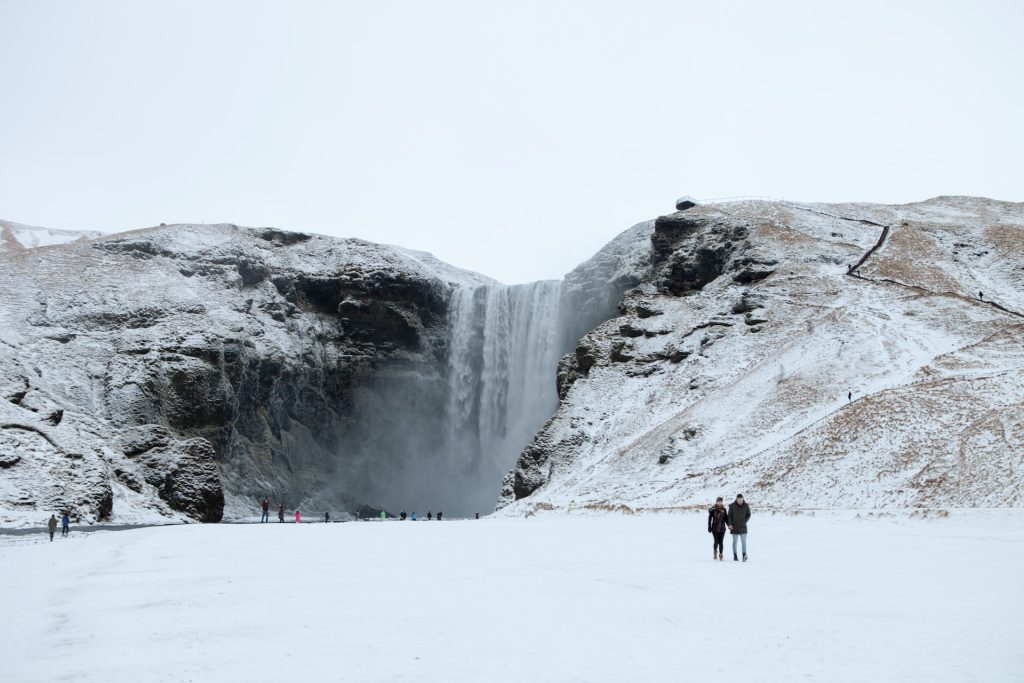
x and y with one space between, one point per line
828 597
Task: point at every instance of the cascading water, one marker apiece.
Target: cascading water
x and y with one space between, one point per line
503 350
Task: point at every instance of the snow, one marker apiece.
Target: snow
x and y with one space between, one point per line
826 596
761 402
18 237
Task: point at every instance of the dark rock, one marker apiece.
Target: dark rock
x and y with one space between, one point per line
619 353
282 237
252 273
627 330
747 304
646 311
753 270
136 440
689 253
752 320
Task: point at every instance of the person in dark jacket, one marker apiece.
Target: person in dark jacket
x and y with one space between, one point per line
716 527
265 517
430 515
402 515
439 515
739 515
280 512
52 526
65 524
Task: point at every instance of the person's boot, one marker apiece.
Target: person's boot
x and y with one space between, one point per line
721 556
735 558
744 557
714 555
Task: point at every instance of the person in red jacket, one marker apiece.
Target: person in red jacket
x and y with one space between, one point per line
298 517
266 511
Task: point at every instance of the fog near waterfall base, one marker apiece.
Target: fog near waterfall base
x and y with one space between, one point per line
442 437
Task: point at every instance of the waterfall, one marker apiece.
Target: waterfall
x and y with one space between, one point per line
503 350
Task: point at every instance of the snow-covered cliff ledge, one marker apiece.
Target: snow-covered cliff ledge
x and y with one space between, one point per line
148 374
751 359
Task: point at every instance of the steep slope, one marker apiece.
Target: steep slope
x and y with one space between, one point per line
164 373
730 367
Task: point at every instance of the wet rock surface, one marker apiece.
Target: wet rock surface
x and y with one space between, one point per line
179 368
747 356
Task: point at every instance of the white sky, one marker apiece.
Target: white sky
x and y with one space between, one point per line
512 139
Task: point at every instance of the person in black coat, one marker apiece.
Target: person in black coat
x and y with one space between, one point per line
717 525
739 515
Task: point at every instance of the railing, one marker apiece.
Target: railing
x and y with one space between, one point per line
727 200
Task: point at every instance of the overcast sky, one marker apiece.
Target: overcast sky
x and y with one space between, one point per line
515 138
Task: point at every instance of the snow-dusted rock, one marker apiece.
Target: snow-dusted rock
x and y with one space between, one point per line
730 367
155 373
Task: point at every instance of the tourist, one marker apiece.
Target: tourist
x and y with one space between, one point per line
716 527
52 526
298 517
739 515
280 512
439 514
266 511
65 524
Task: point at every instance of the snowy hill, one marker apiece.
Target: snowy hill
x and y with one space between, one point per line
18 237
169 372
732 365
810 355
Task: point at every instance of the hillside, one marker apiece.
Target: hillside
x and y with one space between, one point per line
16 237
177 372
734 362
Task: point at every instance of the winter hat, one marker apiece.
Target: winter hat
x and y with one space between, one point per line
718 500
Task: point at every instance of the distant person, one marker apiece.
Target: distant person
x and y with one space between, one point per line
478 515
383 515
849 396
52 526
280 512
429 516
65 524
327 517
439 515
717 525
298 517
402 515
266 511
981 295
738 516
413 516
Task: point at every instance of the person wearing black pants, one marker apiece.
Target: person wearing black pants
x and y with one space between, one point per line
716 527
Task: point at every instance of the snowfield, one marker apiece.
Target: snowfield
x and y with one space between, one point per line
836 596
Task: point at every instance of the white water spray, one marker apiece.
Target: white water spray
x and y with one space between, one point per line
504 346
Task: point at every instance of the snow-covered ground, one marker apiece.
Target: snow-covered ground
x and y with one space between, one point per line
15 237
825 597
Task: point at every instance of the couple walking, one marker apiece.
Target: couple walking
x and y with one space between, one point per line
735 519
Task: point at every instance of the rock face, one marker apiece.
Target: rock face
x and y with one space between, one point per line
168 372
752 356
